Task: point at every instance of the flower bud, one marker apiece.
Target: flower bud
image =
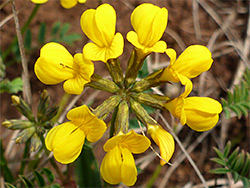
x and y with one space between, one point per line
35 143
22 107
25 135
17 124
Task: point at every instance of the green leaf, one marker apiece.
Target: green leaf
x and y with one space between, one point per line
42 33
245 182
220 171
39 178
69 39
26 182
55 186
219 161
144 70
13 86
27 40
55 28
233 156
5 171
64 30
227 149
8 185
236 177
246 167
219 153
87 171
49 174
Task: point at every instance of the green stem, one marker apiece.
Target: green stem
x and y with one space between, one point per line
23 30
25 156
154 176
62 105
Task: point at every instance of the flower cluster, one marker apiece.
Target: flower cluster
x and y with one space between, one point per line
149 22
65 3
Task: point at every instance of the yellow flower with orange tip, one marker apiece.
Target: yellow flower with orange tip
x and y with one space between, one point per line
118 165
99 26
56 65
65 3
149 22
199 113
164 140
66 140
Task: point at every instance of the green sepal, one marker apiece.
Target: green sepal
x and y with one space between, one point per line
135 63
100 83
152 100
115 71
122 117
103 110
141 113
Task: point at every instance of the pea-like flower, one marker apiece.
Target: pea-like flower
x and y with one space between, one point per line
118 165
65 3
164 140
199 113
56 65
99 26
66 140
149 22
191 63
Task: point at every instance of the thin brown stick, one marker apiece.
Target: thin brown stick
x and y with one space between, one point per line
184 151
25 75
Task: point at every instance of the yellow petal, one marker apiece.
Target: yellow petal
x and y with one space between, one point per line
97 53
149 22
105 21
111 166
65 141
202 113
93 127
171 54
193 61
99 24
52 65
39 1
176 108
68 3
164 140
136 143
132 37
84 69
200 121
128 168
82 1
204 104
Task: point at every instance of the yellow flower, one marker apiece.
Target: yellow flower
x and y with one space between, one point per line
65 3
66 140
99 26
39 1
192 62
164 140
199 113
149 22
56 65
118 165
70 3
